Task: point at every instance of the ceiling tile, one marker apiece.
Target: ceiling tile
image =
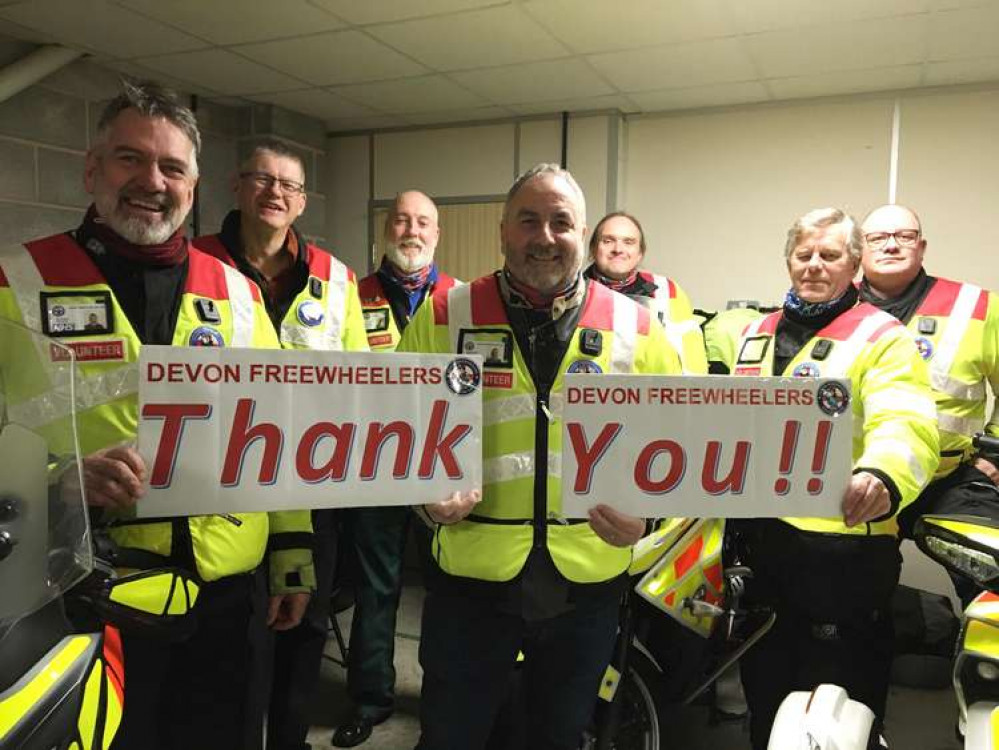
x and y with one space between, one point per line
480 39
318 103
960 34
581 104
142 73
100 26
701 96
378 122
772 15
380 11
962 71
854 45
601 26
696 63
534 82
847 82
459 115
412 95
334 57
223 71
234 21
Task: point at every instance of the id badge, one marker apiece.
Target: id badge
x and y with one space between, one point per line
68 314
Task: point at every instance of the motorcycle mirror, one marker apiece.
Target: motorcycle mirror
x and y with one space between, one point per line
966 545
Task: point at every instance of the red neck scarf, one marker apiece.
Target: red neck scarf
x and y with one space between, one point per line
614 284
173 252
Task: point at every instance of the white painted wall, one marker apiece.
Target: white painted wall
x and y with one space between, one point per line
348 178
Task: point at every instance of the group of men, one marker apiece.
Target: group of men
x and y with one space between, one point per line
506 573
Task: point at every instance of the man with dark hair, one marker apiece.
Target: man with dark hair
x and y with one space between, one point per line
406 278
617 246
956 327
510 572
130 260
311 298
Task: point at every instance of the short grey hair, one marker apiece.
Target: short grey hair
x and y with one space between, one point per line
822 218
151 99
546 168
273 146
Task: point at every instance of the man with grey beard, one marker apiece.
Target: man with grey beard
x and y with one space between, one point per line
124 278
389 297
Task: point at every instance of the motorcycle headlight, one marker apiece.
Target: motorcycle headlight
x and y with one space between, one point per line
987 671
979 566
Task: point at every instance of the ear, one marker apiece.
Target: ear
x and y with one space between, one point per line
921 250
301 207
90 171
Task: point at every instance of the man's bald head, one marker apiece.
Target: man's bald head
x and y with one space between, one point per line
411 231
893 249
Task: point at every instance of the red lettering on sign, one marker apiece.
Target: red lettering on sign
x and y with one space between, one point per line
587 458
242 436
735 480
434 446
174 416
335 468
377 435
643 467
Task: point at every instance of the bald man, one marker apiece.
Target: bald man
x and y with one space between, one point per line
389 297
956 326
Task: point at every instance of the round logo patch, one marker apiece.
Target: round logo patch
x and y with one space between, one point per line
206 336
310 313
58 310
806 370
925 347
462 376
833 399
585 366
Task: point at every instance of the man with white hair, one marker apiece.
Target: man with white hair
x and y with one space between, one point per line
510 572
390 297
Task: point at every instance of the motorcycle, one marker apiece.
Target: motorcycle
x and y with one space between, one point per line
62 677
690 571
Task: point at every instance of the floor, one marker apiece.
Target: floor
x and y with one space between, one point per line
917 719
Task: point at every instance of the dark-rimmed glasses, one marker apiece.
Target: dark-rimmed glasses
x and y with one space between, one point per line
265 181
903 238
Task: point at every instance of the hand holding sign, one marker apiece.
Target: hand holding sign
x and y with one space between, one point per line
454 508
614 527
866 499
113 478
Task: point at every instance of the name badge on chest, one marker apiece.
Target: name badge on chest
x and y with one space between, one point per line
68 314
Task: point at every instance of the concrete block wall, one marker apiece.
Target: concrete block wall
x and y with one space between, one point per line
46 129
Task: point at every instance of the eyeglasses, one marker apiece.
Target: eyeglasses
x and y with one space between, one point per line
903 238
266 181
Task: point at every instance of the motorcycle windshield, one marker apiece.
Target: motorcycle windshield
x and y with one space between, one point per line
45 545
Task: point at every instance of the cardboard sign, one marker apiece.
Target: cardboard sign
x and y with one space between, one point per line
735 447
230 430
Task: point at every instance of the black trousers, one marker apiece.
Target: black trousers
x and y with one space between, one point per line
468 651
181 696
832 594
965 491
377 538
298 653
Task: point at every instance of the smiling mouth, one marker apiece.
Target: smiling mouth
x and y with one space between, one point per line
146 206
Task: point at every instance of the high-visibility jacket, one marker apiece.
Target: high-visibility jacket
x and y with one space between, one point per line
326 312
522 433
671 306
957 332
722 334
894 419
383 330
218 307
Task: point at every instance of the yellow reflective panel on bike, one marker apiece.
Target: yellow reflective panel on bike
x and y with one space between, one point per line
982 638
90 706
973 531
47 676
686 583
157 593
112 717
984 608
609 684
652 546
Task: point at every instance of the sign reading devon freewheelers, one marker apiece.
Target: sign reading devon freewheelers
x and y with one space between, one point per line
231 430
736 447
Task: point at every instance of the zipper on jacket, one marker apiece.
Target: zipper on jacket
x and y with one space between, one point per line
541 471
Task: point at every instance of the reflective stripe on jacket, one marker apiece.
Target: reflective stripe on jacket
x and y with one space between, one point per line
671 306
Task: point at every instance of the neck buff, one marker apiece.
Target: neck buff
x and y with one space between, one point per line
95 235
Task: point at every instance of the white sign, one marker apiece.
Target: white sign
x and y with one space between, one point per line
735 447
230 430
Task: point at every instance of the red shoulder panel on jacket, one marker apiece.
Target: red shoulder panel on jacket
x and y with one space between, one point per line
844 325
62 262
598 309
444 282
212 245
206 277
487 305
370 288
439 302
769 324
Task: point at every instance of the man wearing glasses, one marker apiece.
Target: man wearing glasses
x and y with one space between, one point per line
312 301
956 327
